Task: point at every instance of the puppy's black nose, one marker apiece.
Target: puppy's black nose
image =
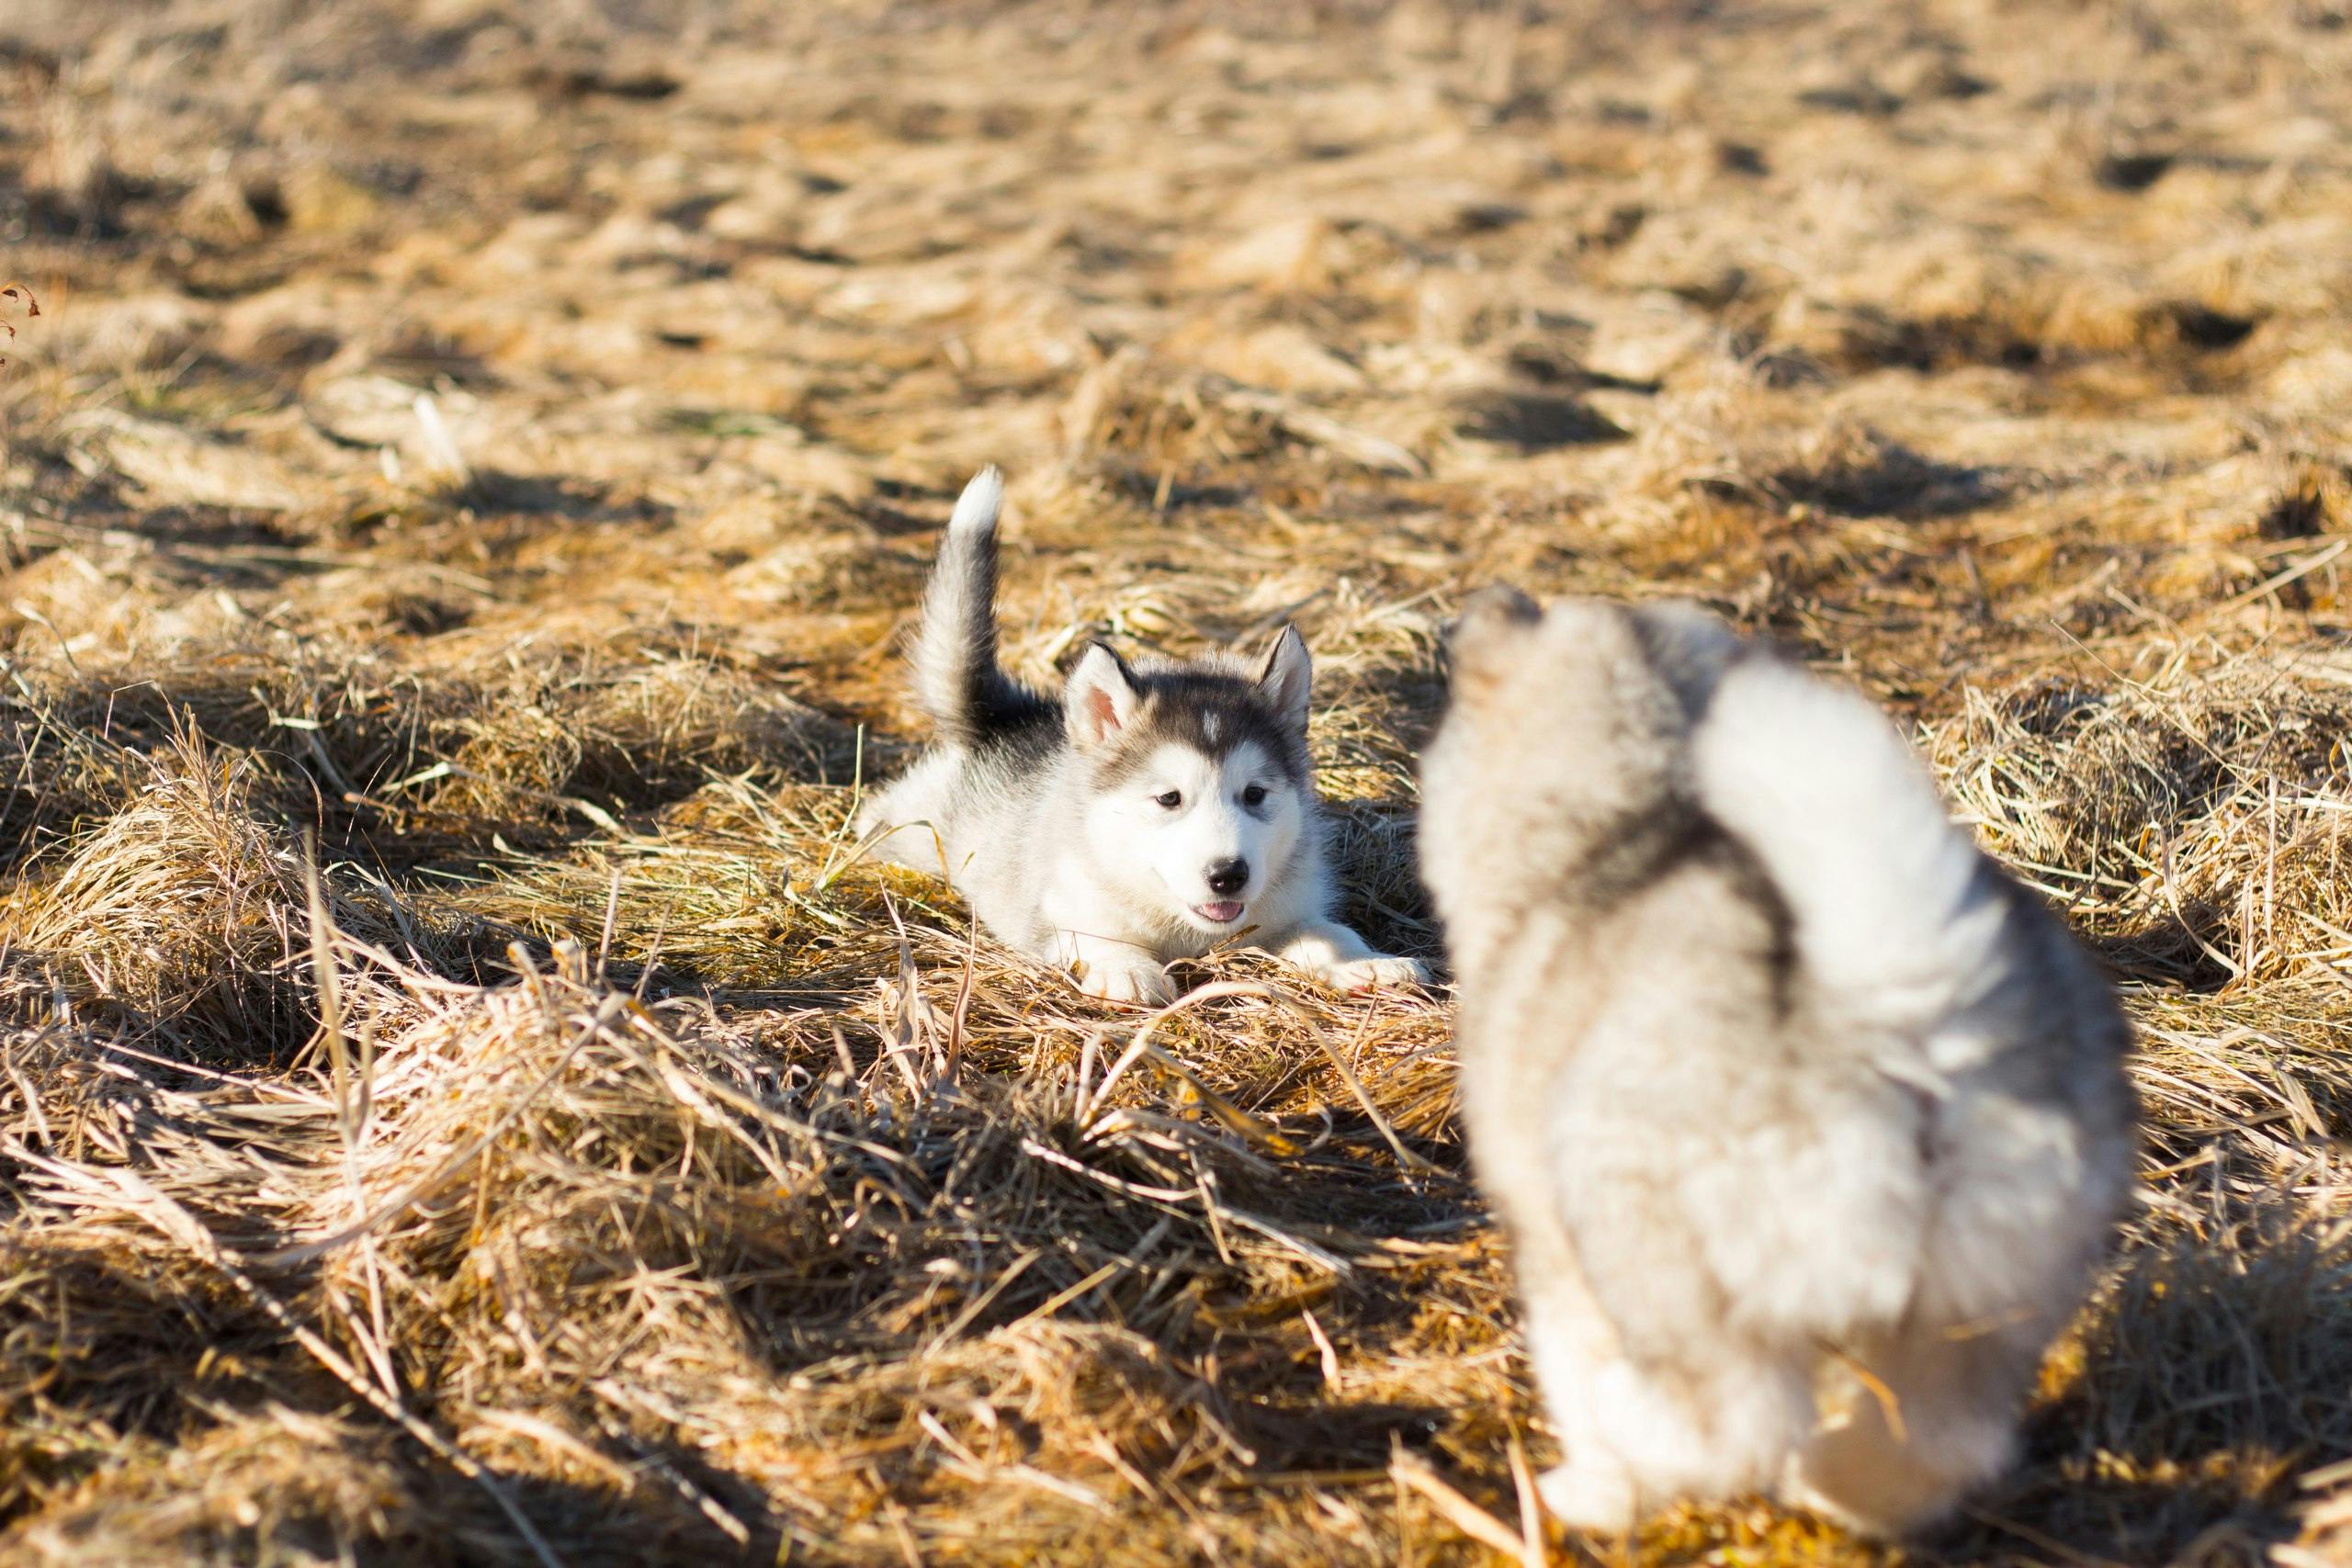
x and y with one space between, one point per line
1229 875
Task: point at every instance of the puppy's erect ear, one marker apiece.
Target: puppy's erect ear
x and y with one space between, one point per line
1492 622
1685 645
1287 678
1100 698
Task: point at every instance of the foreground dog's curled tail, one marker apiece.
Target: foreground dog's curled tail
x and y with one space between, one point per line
957 681
1897 915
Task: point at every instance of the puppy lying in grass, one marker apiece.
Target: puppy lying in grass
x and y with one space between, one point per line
1154 811
1808 1125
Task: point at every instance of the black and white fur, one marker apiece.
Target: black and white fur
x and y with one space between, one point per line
1809 1126
1154 811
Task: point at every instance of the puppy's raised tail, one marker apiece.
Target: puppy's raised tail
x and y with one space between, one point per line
957 681
1897 915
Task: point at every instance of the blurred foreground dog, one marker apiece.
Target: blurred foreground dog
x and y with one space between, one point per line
1807 1124
1152 812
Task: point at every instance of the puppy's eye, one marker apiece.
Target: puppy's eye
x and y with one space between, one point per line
1171 801
1254 795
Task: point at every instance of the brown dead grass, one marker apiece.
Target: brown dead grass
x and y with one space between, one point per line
602 1164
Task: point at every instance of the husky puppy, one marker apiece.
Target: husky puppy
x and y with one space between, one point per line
1807 1124
1154 811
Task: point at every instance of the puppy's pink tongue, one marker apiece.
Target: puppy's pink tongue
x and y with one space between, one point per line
1220 913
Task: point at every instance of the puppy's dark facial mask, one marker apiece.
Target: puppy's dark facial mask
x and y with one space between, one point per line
1212 715
1118 716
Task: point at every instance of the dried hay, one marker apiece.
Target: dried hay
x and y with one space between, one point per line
174 911
2192 817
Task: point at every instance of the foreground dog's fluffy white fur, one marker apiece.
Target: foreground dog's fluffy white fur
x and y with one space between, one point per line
1154 811
1808 1125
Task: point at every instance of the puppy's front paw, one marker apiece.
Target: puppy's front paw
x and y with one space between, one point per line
1380 969
1591 1492
1127 983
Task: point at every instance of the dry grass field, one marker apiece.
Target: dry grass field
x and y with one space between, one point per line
465 1099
